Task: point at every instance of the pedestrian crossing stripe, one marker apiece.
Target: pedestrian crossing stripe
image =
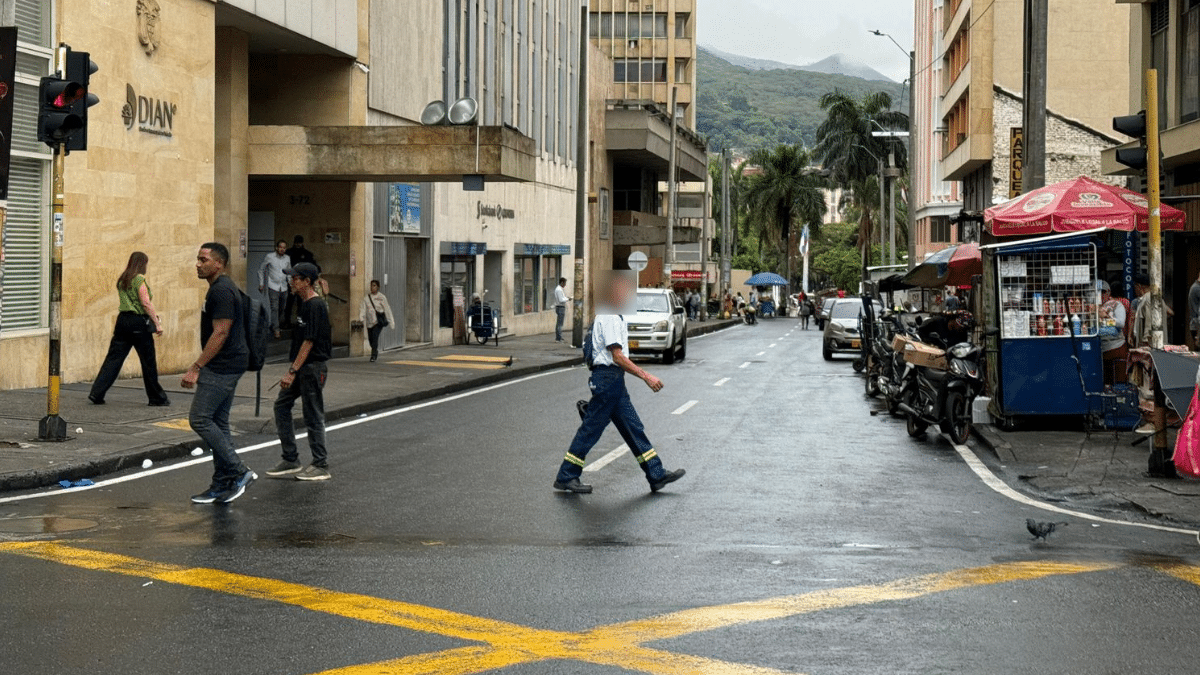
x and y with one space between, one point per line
478 359
619 645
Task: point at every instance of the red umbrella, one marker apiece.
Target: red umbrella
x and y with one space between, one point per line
952 266
1076 205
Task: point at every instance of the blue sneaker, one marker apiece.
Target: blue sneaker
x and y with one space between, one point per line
208 496
238 488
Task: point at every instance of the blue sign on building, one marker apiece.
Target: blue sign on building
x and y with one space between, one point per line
464 248
542 249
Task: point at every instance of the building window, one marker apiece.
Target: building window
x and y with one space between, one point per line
681 26
1160 21
939 230
631 26
1189 99
24 282
551 273
525 285
457 270
681 71
640 70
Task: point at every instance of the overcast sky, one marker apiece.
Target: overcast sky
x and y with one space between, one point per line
804 31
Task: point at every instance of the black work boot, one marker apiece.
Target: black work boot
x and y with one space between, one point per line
573 485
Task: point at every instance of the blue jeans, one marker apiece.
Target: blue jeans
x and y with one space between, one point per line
209 418
558 323
610 403
308 386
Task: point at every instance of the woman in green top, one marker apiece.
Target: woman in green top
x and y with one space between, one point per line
137 324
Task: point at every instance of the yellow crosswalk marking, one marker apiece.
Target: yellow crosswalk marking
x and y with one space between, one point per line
621 645
181 424
479 359
447 364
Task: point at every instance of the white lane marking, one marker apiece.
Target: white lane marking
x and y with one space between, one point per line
772 345
745 365
607 459
685 407
994 482
760 353
207 458
721 382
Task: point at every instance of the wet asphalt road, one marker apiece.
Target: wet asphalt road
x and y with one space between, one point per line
440 536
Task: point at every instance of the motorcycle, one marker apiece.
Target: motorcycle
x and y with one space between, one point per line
944 397
884 365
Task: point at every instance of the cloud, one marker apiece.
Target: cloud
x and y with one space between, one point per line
805 31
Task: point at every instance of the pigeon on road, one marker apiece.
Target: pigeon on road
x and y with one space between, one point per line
1041 530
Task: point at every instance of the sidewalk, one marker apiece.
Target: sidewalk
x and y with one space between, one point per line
1098 472
125 431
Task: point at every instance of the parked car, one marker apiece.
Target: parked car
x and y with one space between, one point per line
841 334
822 311
660 326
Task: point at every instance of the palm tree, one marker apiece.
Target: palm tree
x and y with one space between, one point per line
785 193
737 188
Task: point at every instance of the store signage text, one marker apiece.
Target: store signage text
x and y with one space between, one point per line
151 115
542 249
498 212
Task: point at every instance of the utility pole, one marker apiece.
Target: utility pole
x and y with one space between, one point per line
1160 463
914 147
705 244
726 244
1034 117
669 256
581 185
882 217
892 218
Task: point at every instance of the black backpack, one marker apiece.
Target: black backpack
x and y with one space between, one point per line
257 325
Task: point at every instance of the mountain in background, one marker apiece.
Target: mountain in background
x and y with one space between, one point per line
745 108
838 64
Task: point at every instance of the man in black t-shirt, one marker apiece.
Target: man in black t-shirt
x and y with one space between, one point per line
215 375
311 347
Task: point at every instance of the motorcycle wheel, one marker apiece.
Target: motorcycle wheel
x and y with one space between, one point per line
958 416
859 364
872 385
916 427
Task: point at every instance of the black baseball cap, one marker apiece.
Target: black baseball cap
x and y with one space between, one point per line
298 239
307 270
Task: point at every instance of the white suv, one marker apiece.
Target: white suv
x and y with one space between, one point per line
660 326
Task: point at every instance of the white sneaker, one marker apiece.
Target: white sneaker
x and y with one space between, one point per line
1146 429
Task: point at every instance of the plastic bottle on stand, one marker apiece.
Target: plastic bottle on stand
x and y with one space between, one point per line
1076 324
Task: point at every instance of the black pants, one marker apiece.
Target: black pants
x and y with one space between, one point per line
308 387
132 332
373 337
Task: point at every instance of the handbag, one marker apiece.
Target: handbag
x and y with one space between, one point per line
1187 445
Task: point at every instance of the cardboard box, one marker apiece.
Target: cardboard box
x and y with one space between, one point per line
919 353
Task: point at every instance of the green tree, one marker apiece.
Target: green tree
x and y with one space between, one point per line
784 195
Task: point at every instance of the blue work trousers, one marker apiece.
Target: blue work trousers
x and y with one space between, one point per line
610 403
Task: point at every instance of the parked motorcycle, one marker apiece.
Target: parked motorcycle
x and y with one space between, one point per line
944 397
885 366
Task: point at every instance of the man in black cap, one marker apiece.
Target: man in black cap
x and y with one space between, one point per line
297 254
305 380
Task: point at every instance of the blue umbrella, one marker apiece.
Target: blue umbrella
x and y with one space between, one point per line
766 279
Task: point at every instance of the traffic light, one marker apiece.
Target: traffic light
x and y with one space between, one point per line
63 103
1135 126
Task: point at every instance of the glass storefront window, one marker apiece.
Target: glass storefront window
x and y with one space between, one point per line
456 270
525 285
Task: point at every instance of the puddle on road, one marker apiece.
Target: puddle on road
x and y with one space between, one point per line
45 525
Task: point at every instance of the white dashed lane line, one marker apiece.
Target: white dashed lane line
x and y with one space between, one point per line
607 459
685 407
760 353
745 365
721 382
772 345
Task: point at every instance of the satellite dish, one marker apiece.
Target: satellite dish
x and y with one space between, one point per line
434 114
464 111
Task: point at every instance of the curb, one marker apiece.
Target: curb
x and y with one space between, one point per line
100 466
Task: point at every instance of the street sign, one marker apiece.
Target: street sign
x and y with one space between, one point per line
638 261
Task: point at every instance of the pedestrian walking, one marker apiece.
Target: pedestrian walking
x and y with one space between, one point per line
610 400
805 312
273 283
215 374
375 314
312 345
694 304
137 325
560 308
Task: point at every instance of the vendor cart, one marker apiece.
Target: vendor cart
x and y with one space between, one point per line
1044 301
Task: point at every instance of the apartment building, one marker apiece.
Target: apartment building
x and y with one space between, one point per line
1165 35
970 77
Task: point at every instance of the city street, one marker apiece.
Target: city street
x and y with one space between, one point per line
807 537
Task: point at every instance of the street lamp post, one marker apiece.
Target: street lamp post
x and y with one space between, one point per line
910 146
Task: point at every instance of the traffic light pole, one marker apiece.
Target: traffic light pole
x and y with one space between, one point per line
1160 463
53 427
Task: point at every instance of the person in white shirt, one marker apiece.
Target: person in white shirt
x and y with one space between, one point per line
376 314
610 399
273 283
560 308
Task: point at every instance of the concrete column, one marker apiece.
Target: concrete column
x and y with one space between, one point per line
232 119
